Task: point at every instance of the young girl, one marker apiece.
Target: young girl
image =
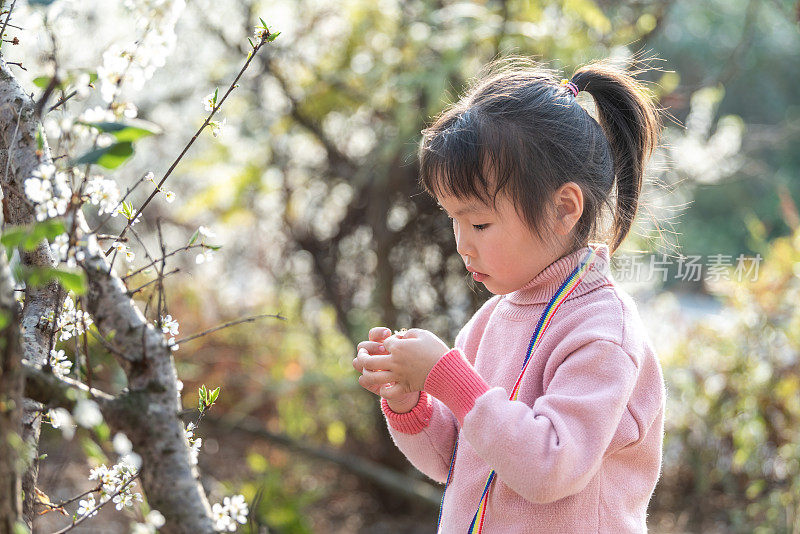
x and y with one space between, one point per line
547 414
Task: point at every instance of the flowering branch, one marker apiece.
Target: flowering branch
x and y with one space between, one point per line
94 510
265 38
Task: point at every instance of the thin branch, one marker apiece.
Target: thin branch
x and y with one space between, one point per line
113 211
84 494
140 269
53 390
62 100
132 292
91 512
245 320
8 17
106 344
54 81
398 483
255 50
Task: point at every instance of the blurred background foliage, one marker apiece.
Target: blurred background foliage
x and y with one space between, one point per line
311 190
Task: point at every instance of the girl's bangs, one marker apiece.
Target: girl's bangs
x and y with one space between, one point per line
452 163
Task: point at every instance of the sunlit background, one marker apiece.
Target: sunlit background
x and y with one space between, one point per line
310 189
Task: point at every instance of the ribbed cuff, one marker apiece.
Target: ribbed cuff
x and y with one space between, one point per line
410 422
456 383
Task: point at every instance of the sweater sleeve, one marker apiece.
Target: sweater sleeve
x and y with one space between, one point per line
554 448
427 434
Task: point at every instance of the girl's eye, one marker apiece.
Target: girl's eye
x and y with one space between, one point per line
480 227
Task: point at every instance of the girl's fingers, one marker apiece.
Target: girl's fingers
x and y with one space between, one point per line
376 379
379 333
374 363
390 390
373 347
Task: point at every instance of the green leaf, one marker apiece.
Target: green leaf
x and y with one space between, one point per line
214 247
29 237
272 36
262 22
194 236
251 44
127 209
131 130
39 276
40 136
216 93
72 281
214 395
109 157
42 81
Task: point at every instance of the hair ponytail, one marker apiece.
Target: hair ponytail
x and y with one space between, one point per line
518 126
632 125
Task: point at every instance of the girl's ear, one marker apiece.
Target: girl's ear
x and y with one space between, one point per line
569 207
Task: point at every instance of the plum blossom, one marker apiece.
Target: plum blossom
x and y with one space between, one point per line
103 192
49 191
71 322
226 515
86 505
60 363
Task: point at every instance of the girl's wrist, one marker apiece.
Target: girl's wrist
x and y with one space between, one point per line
406 405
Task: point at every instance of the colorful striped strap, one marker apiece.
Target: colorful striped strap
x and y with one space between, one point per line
569 285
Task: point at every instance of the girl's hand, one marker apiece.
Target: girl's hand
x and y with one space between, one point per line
408 363
398 400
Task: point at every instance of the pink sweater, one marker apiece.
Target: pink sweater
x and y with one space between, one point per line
580 450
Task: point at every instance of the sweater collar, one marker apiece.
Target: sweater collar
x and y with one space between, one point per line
545 284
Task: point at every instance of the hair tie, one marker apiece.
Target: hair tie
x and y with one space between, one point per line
571 86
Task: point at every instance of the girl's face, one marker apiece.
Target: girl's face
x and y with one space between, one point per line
497 243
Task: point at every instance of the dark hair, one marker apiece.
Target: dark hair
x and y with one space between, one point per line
518 122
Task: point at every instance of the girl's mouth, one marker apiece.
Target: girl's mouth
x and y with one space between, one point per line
479 277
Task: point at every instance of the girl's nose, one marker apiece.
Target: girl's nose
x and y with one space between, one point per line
463 246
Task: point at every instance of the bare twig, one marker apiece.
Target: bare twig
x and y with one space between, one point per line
245 320
62 100
132 292
54 81
8 17
140 269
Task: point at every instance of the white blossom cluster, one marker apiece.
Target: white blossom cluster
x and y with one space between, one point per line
49 191
63 252
111 480
229 512
104 193
71 321
138 61
152 522
60 363
170 326
194 443
123 248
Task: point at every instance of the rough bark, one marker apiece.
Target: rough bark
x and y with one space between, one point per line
19 159
148 412
11 384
